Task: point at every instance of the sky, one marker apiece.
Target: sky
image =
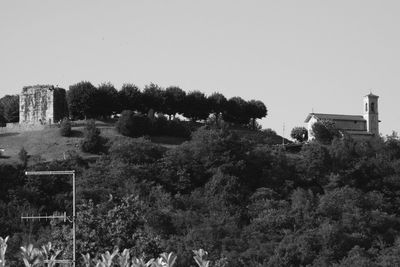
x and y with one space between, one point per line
295 56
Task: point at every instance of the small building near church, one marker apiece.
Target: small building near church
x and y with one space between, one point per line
357 126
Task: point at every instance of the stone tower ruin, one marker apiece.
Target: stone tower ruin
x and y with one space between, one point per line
42 105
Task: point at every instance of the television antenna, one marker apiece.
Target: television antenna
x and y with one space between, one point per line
60 216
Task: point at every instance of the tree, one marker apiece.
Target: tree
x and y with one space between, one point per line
315 162
106 100
174 101
9 108
236 111
324 131
130 97
81 100
392 144
196 106
93 142
300 134
152 98
255 109
2 119
217 105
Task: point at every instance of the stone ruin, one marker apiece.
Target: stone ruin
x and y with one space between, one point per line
42 105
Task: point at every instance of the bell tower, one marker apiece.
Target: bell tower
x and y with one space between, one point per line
371 113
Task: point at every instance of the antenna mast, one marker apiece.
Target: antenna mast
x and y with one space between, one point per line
63 216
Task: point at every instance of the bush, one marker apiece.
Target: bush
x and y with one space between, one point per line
178 128
66 128
300 134
93 142
175 128
133 125
136 151
136 125
23 156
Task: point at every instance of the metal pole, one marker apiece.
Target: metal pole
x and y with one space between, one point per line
73 204
73 221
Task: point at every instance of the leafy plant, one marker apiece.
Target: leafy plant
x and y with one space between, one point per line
86 259
199 258
31 256
168 259
107 258
49 254
124 258
3 249
136 262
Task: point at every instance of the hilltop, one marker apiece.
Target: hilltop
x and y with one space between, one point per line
48 144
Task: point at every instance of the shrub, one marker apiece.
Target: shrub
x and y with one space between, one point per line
93 142
175 128
23 156
136 125
66 128
300 134
178 128
136 151
133 125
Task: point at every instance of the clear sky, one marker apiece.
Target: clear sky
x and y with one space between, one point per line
295 56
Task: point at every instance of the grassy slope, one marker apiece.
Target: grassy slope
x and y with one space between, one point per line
46 144
49 145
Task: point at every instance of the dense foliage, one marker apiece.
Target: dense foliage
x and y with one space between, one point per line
87 101
136 125
133 125
244 201
9 109
81 99
325 130
300 134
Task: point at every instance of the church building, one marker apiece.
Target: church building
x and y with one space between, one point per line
358 126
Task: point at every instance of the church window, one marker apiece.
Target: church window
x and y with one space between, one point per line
373 107
366 107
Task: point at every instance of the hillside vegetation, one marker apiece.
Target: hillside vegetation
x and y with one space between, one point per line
245 202
48 144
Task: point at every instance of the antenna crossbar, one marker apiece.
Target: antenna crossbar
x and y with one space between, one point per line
64 217
48 172
46 217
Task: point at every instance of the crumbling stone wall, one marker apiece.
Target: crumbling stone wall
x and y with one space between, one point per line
42 104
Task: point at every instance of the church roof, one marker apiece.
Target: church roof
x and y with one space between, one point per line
333 117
